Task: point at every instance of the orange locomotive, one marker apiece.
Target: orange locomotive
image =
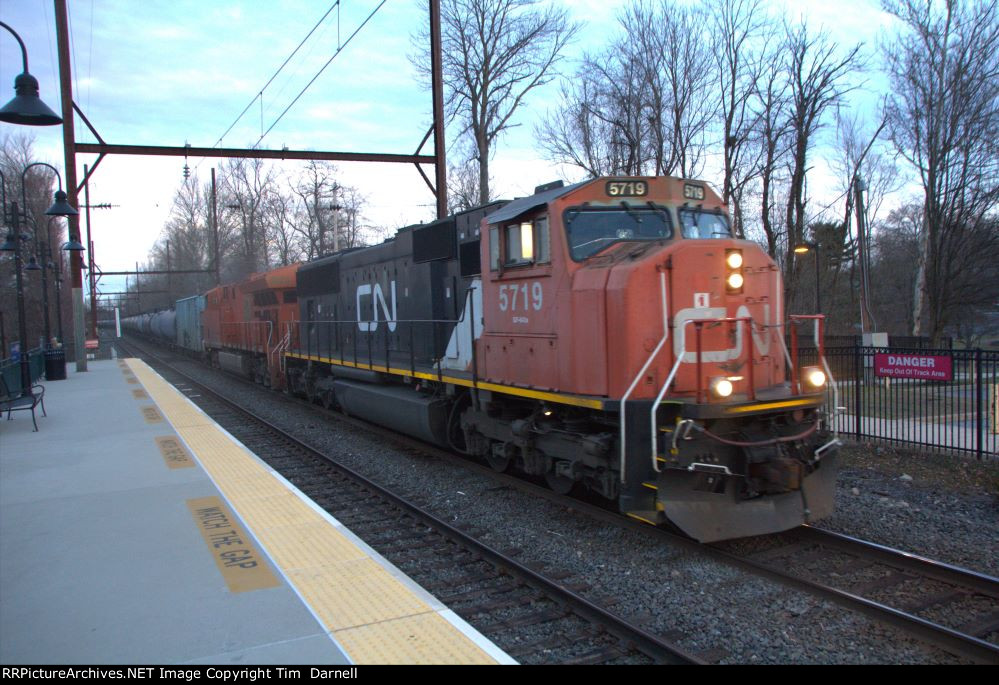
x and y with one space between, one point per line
612 334
242 324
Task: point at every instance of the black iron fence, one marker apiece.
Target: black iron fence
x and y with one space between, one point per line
943 399
11 369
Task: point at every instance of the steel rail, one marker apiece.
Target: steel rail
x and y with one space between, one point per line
981 583
644 641
948 639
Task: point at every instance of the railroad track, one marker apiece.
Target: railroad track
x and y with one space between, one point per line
943 606
489 588
951 607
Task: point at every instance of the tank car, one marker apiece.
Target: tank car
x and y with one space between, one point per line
163 325
612 335
242 324
159 324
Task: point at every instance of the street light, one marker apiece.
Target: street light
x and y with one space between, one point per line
45 265
13 244
26 108
809 246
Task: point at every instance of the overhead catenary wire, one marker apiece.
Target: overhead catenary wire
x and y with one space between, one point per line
260 93
319 73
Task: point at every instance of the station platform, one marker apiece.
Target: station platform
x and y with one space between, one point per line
135 530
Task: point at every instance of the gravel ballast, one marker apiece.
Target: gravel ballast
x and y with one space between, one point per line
706 606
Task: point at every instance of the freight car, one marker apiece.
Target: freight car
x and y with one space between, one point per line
612 335
189 332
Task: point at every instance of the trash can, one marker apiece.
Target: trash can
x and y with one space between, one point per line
55 365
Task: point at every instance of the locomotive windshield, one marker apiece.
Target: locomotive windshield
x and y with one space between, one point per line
591 230
699 224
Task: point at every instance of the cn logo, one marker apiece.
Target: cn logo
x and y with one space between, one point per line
377 300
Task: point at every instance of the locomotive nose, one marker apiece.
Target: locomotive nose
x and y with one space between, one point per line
715 510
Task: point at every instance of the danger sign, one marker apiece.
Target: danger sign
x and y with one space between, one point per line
929 367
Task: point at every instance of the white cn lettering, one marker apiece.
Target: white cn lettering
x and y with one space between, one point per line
378 298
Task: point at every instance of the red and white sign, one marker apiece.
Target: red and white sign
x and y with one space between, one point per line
928 367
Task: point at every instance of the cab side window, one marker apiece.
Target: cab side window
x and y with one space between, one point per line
523 243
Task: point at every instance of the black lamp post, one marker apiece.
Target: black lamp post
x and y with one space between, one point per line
58 287
41 260
810 246
26 109
60 207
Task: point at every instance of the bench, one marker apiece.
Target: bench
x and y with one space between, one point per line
15 401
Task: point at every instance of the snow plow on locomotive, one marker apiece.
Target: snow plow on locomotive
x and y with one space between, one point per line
612 334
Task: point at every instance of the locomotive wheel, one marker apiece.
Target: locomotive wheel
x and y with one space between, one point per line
500 464
311 394
326 397
559 484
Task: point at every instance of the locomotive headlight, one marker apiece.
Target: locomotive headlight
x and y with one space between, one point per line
814 376
721 387
733 278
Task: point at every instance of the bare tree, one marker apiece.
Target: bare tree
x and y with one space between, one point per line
462 182
675 49
643 105
602 126
817 79
316 189
283 237
771 103
354 230
494 53
740 41
246 187
42 239
944 120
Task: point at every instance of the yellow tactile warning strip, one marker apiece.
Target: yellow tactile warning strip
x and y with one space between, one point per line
370 612
234 552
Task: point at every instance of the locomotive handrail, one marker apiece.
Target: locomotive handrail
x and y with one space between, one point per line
244 330
634 383
818 335
310 327
676 367
277 350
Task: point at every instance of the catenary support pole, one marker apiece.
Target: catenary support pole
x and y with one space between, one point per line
69 151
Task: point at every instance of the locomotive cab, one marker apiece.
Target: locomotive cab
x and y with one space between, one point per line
635 291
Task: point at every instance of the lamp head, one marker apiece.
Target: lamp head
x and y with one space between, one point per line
27 108
73 245
61 206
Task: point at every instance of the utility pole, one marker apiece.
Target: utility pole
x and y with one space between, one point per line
169 275
866 325
336 220
72 196
90 256
437 84
215 232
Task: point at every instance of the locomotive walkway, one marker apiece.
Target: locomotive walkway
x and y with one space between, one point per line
134 530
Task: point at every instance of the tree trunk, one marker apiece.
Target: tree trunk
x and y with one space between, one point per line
483 146
919 289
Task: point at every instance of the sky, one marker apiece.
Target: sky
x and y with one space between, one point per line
157 72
